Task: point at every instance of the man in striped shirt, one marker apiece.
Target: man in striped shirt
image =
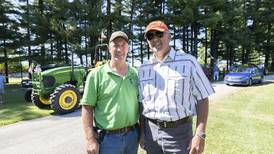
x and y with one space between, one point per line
173 89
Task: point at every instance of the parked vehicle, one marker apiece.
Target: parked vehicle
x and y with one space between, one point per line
244 75
59 86
27 83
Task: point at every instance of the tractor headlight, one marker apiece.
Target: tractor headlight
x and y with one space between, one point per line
48 81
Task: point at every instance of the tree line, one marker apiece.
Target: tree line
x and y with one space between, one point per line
55 31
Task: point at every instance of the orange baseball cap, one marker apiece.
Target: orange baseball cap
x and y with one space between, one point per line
157 25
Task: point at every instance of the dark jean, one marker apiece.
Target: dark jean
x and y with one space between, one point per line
123 143
167 140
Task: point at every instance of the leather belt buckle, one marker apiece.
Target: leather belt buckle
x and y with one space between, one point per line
170 124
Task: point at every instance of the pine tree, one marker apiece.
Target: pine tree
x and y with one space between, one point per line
9 38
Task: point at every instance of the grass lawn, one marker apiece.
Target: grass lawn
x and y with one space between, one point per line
242 122
16 108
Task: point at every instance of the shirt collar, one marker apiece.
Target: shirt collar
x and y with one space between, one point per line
109 70
169 57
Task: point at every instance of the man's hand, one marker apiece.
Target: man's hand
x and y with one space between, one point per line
197 145
198 142
92 146
142 129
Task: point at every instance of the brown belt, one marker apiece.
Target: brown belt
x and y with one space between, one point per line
170 124
122 130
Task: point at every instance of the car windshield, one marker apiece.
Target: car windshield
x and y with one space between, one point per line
243 70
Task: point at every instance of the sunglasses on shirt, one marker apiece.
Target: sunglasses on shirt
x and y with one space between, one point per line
150 35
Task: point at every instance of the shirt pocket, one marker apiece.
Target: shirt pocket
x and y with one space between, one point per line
147 88
176 84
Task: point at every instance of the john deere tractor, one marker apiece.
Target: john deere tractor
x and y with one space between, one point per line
58 88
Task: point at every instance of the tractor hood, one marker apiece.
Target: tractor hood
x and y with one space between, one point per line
60 70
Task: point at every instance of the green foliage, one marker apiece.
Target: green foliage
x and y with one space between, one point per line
254 58
60 28
14 67
2 67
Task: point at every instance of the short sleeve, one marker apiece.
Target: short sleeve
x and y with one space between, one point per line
202 87
90 91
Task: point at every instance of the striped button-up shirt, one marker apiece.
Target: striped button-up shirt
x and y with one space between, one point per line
170 90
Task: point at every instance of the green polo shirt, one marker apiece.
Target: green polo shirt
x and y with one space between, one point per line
114 98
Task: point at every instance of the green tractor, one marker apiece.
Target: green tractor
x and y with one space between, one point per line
58 88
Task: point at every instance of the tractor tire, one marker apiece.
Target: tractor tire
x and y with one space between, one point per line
65 99
40 102
28 95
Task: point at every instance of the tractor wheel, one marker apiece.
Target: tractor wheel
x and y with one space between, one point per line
65 99
39 101
28 95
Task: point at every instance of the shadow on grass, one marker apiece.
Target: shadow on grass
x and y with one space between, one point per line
15 108
14 113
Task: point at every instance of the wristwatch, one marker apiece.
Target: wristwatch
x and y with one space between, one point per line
201 135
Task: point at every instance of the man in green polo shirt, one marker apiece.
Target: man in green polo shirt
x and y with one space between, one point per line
110 102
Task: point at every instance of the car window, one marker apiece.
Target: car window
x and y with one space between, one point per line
243 70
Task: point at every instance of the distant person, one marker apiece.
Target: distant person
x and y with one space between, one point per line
38 69
206 71
232 68
216 73
30 69
223 72
2 88
261 68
